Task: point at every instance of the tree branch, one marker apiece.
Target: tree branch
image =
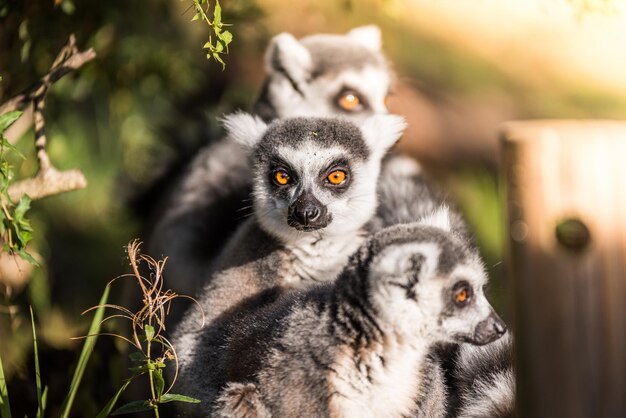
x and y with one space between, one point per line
49 180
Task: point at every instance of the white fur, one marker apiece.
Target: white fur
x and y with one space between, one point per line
317 259
369 36
392 265
394 385
490 396
291 55
401 166
440 218
381 132
243 128
373 82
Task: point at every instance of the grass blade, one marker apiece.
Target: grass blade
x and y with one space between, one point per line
42 406
44 401
173 397
5 407
90 341
111 404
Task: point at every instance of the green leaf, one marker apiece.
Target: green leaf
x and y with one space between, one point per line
22 226
144 368
42 407
90 342
149 330
173 397
44 401
111 404
226 37
135 406
216 57
217 14
4 143
8 118
159 383
24 255
5 407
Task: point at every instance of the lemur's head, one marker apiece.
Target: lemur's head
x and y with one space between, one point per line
425 280
325 75
314 175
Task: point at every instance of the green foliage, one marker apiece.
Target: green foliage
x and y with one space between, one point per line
154 368
15 229
219 39
41 396
147 326
90 342
5 407
108 408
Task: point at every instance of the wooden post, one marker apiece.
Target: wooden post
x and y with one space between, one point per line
566 202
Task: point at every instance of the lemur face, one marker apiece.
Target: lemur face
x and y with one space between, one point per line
326 75
428 275
314 175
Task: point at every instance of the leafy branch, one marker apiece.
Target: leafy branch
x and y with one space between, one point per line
15 230
153 349
219 38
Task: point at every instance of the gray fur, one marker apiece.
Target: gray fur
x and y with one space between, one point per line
484 380
265 252
212 198
335 349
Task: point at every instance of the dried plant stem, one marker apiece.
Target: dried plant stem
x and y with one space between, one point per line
148 324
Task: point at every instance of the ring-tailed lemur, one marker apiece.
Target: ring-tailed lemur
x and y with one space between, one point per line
319 75
358 347
314 191
480 381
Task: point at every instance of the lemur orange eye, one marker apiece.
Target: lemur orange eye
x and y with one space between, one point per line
281 177
349 101
462 293
337 177
387 100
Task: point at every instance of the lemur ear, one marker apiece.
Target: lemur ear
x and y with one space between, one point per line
381 132
244 128
286 55
440 218
368 36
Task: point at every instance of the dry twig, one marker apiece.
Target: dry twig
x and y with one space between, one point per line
48 180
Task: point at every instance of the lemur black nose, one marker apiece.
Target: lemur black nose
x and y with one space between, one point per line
307 213
310 213
489 329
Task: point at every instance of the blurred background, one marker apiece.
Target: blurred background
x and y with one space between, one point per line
150 98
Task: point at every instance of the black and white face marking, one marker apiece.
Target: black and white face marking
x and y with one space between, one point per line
325 75
465 302
314 174
433 279
307 212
